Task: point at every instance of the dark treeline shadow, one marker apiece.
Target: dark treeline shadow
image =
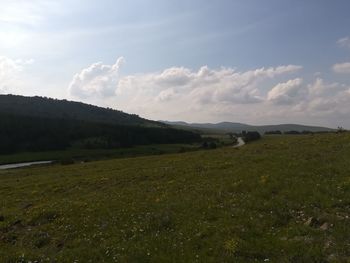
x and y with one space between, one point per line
21 133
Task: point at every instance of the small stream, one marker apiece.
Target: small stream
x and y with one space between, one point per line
20 165
240 142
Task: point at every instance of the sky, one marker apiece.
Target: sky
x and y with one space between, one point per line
250 61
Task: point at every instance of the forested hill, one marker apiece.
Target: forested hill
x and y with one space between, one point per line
63 109
23 133
41 124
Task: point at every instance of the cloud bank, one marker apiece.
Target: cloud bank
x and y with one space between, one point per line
204 86
208 94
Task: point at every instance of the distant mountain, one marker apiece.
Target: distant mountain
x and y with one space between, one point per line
63 109
238 127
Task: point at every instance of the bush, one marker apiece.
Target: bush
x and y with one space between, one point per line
67 161
273 132
292 132
212 145
251 136
204 145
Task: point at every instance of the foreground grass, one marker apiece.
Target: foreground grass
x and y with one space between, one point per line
249 204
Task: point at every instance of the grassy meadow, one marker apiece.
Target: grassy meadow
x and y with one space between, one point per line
96 154
279 199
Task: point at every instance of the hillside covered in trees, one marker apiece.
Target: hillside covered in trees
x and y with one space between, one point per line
63 109
40 124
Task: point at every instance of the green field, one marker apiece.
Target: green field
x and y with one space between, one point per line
96 154
280 199
76 154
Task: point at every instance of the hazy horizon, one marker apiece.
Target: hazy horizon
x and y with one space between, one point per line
195 61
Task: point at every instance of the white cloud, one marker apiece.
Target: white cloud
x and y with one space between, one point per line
206 94
96 80
344 42
242 87
342 68
286 93
174 77
176 90
322 103
331 97
204 86
166 95
10 73
321 89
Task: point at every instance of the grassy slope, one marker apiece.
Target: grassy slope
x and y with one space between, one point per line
225 205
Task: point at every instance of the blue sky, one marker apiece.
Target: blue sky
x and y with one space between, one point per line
251 61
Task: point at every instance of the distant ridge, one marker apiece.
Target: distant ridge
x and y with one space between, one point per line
62 109
238 127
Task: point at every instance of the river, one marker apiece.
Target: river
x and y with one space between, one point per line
19 165
240 142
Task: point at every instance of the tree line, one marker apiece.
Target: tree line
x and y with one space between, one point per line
43 107
277 132
24 133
